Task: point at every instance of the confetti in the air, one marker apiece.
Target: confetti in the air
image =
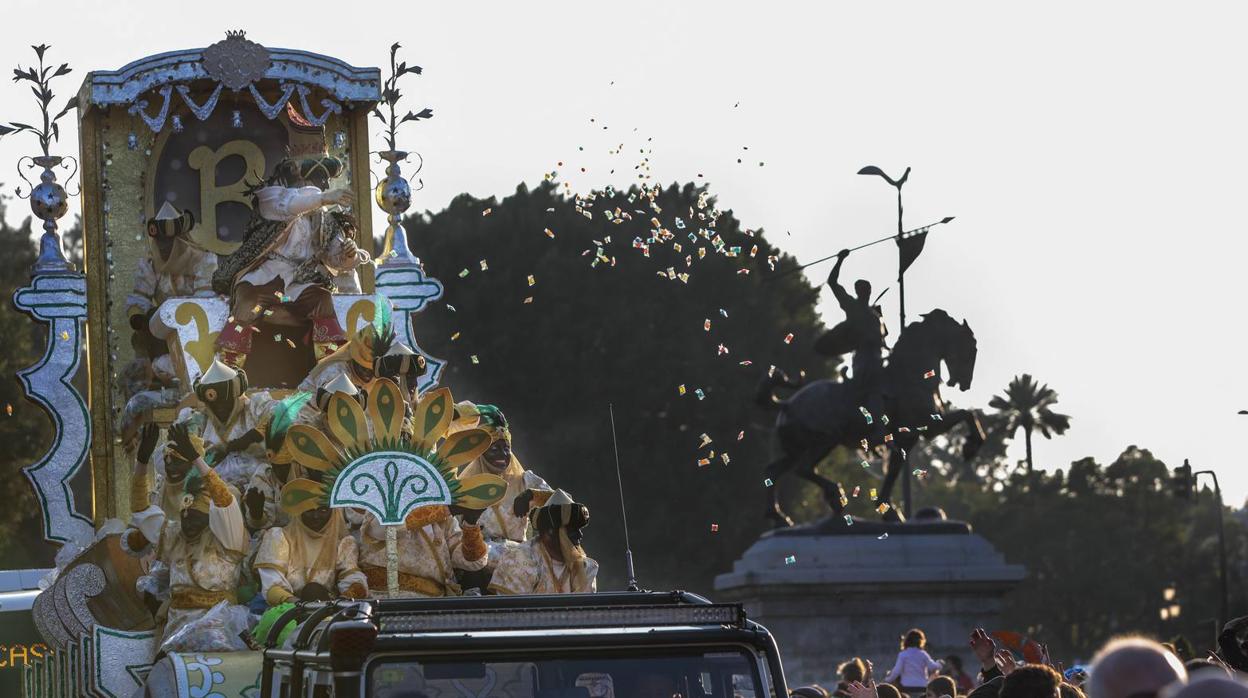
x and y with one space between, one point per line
884 536
701 395
929 374
788 338
849 520
790 559
706 325
768 482
532 280
680 389
714 528
474 358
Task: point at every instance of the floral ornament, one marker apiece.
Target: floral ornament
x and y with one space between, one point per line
375 459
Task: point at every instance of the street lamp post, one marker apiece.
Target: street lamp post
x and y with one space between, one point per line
1191 477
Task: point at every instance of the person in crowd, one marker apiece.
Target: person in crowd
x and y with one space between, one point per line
1031 681
1231 647
1133 667
953 669
940 686
870 689
851 671
914 665
1194 665
1208 685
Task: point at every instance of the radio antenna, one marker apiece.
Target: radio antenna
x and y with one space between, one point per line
628 549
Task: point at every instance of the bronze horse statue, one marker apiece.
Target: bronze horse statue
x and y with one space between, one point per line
824 413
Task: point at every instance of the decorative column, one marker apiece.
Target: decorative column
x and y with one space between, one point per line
59 299
400 276
57 296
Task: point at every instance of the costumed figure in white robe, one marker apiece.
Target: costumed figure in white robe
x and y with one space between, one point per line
295 254
261 498
312 558
201 548
506 522
554 562
231 423
432 544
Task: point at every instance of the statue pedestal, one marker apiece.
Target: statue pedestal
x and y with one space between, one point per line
828 592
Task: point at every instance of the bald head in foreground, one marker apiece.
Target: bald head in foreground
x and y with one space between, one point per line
1133 667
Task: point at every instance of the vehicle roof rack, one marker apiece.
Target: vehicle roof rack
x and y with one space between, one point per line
564 611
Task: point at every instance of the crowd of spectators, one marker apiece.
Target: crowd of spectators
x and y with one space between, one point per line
1126 667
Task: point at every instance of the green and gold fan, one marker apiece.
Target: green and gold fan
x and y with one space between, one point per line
369 462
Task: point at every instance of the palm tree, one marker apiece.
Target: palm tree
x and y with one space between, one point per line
1026 405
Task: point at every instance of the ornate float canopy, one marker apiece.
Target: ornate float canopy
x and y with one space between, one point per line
238 64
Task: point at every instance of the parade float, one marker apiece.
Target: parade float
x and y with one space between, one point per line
159 323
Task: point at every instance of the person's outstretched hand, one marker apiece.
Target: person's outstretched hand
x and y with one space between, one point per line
1005 662
859 689
147 442
983 646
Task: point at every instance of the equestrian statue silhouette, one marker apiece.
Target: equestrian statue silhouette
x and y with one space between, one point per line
892 404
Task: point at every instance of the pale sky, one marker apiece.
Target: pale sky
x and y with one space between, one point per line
1090 153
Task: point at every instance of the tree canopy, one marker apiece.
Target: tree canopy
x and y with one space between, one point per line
628 332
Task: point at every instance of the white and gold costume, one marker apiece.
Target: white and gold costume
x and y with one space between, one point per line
249 413
294 555
530 569
201 572
428 556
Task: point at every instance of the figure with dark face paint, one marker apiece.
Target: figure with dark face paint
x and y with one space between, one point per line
294 253
355 361
174 265
229 422
201 547
507 521
260 499
554 562
311 555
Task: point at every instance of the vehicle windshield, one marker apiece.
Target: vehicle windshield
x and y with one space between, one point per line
666 673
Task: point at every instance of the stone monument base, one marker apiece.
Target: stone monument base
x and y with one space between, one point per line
828 591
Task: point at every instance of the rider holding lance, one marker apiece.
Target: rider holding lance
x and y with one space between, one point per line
862 332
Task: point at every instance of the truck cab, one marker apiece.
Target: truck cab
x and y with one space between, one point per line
605 645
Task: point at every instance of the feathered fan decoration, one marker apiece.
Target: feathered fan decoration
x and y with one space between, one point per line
370 461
